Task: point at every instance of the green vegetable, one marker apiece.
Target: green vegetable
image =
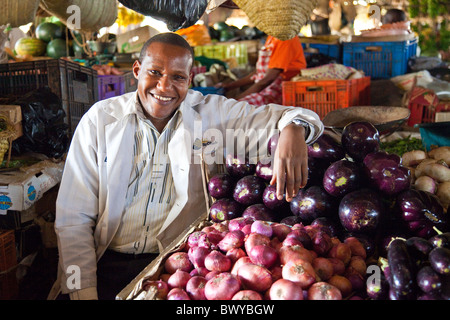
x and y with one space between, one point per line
401 146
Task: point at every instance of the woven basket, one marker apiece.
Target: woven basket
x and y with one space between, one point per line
17 13
94 14
281 19
6 136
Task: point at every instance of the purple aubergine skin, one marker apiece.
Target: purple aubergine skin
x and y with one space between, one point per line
386 173
264 170
360 138
272 144
270 199
239 168
221 186
441 240
428 279
342 177
327 224
313 202
422 211
249 190
361 211
327 148
316 170
225 209
440 260
258 211
378 290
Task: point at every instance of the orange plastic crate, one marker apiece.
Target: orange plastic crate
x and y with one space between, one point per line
7 250
323 96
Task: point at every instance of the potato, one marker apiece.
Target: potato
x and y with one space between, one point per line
419 169
441 153
437 171
413 158
443 193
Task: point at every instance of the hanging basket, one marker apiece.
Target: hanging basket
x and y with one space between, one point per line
94 15
281 19
17 13
7 132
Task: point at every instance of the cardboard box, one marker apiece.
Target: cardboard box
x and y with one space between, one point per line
132 41
14 113
19 190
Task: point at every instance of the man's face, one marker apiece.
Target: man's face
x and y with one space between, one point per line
163 80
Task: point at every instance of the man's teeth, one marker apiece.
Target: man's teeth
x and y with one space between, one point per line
162 98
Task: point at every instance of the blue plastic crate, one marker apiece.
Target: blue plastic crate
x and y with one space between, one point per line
379 59
331 50
435 134
209 90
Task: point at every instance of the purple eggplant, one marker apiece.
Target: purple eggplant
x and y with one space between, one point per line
225 209
221 186
270 199
440 260
327 224
272 144
378 289
258 212
361 211
238 167
421 212
313 202
249 190
342 177
360 138
419 248
428 279
290 220
385 172
327 148
316 170
441 240
401 269
430 296
264 170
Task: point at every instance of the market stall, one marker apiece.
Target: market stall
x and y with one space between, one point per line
378 191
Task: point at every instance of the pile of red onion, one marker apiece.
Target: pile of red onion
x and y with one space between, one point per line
248 259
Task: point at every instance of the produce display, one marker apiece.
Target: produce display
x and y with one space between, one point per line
362 207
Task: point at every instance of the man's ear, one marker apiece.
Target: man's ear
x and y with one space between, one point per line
136 68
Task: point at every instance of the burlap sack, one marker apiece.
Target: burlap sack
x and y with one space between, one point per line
17 13
94 15
281 19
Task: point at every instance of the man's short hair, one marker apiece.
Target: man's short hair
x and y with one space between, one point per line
169 38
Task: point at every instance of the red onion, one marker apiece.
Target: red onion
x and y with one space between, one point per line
263 255
298 226
288 253
280 230
158 287
239 263
195 287
254 277
323 267
211 274
301 235
299 271
284 289
239 223
292 241
247 229
177 294
201 271
324 291
276 273
233 239
193 238
178 260
254 239
197 256
221 226
247 295
178 279
356 279
209 229
235 253
222 287
217 261
164 277
262 227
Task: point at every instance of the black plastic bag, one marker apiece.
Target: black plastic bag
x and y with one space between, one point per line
177 14
44 130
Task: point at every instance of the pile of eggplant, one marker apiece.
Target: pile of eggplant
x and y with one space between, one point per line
354 189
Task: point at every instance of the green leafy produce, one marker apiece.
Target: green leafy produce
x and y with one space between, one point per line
401 146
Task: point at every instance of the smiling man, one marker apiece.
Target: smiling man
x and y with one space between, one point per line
132 182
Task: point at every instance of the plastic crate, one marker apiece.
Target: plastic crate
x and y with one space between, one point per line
423 104
323 96
379 60
129 82
209 90
110 86
75 85
8 257
331 50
